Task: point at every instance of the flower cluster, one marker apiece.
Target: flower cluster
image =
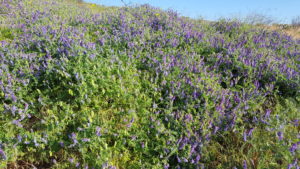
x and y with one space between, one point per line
137 87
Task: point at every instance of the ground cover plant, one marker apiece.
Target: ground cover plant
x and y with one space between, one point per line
138 87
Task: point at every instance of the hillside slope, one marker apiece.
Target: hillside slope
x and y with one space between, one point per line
83 86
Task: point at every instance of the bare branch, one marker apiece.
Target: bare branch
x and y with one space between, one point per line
124 2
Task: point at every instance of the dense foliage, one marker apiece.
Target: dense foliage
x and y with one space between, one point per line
138 87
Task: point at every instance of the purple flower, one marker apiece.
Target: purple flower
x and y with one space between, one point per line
71 160
104 165
244 164
143 145
133 138
250 132
77 76
294 147
98 131
35 142
245 135
85 139
280 135
17 123
2 155
178 159
132 120
73 136
61 144
19 137
13 97
216 129
92 56
256 83
268 114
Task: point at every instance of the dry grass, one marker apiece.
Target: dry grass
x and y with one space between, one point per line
293 31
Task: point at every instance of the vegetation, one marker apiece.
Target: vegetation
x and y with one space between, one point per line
83 86
296 21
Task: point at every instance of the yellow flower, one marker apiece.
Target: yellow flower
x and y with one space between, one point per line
93 5
157 14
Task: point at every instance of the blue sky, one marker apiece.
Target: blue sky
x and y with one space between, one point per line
281 10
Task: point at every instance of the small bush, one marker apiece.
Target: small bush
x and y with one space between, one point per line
258 19
139 87
296 21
